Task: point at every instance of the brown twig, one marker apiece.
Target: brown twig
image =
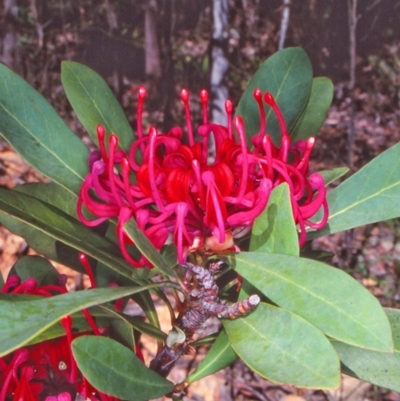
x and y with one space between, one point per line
202 302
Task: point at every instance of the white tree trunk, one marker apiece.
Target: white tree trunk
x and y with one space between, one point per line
219 61
284 24
152 49
10 54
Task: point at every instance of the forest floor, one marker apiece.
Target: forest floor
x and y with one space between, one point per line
370 254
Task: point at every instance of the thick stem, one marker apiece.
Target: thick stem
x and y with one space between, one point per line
202 302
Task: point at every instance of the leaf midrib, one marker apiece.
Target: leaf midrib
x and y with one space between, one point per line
282 350
124 373
37 139
48 322
341 311
65 236
87 93
338 213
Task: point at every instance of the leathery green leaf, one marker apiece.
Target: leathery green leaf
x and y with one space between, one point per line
284 348
94 103
379 368
314 115
38 134
147 248
43 243
220 355
53 222
274 231
331 175
33 266
53 194
38 240
21 321
288 76
137 323
101 359
325 296
64 237
370 195
79 325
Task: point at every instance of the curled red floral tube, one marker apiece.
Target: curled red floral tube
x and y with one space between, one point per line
180 196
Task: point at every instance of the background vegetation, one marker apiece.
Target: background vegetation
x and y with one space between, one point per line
168 44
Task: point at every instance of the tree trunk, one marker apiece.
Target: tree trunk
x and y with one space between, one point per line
11 54
284 24
219 61
112 21
152 50
352 15
219 66
167 83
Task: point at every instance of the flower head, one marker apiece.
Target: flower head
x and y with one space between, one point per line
46 370
168 184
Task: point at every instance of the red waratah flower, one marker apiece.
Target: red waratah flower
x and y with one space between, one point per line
172 190
47 370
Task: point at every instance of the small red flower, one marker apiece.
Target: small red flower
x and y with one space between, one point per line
175 193
46 370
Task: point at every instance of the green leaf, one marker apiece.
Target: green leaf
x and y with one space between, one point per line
327 297
61 238
317 108
106 317
53 194
38 268
104 276
218 357
374 367
370 195
168 253
52 222
38 240
22 321
206 340
38 134
288 76
146 248
42 243
136 322
284 348
121 331
145 301
114 369
79 325
333 174
274 231
94 103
